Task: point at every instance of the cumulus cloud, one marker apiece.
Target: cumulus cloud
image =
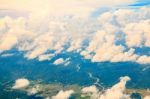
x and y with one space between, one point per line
113 36
76 44
113 53
106 52
144 59
90 89
126 56
139 30
59 61
120 26
115 92
21 83
146 97
12 32
45 57
7 42
63 94
62 61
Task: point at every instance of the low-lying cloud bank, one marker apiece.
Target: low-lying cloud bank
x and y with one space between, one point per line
117 91
113 36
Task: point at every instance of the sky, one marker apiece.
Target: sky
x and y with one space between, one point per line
64 7
141 3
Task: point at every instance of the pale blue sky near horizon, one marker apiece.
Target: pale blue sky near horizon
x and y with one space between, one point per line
136 5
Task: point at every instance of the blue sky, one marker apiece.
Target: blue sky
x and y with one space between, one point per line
141 3
137 4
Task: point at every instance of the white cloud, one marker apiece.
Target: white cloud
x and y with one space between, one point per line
36 52
8 41
63 94
59 61
115 92
86 54
138 33
106 52
119 26
13 32
76 44
62 61
21 83
40 45
95 39
146 97
144 59
126 56
45 57
90 89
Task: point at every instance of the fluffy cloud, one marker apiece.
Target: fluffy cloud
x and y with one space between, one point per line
45 57
59 61
76 44
115 92
120 26
113 36
144 59
13 31
90 89
8 41
147 97
21 83
63 94
62 61
106 52
139 30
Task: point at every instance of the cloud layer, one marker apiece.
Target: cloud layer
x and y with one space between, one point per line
117 91
113 36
